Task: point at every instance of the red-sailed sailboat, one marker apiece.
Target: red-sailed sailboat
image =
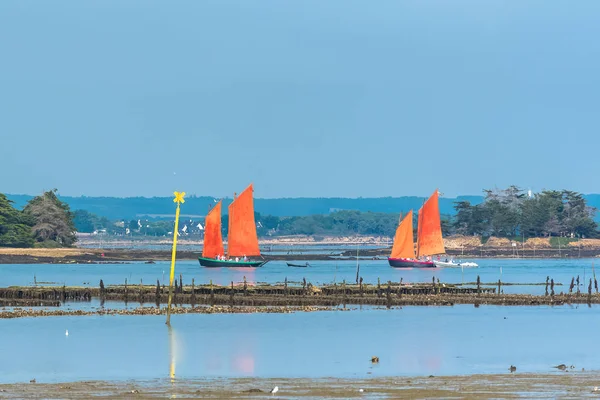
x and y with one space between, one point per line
429 238
242 241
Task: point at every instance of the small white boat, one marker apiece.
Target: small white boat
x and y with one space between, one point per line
454 264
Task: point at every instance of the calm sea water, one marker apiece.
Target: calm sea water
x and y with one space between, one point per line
489 270
409 341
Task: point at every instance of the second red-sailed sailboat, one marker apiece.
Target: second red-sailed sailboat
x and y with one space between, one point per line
429 238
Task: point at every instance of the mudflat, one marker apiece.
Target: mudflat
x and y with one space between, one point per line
561 385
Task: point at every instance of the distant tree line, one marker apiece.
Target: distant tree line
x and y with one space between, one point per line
45 221
336 224
512 212
118 209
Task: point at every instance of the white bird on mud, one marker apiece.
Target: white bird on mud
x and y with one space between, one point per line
275 390
67 333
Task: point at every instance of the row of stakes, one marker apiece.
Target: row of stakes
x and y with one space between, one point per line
575 282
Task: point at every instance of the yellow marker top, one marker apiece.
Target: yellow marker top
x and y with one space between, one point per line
179 197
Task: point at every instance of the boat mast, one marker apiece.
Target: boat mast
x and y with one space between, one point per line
229 226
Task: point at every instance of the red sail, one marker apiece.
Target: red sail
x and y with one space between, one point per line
430 240
403 241
213 240
242 239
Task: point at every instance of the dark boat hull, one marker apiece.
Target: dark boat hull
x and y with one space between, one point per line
297 265
213 263
406 263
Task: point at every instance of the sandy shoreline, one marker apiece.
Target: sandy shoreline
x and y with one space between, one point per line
128 255
564 385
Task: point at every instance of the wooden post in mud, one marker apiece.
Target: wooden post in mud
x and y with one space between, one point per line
126 291
578 291
361 286
193 297
157 294
590 291
285 287
389 295
304 285
245 287
141 293
499 285
378 287
572 285
547 280
552 287
178 200
212 294
478 284
180 284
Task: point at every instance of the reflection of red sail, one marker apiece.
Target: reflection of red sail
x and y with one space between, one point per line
433 363
244 364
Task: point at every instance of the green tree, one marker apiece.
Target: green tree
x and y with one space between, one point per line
52 220
15 227
508 213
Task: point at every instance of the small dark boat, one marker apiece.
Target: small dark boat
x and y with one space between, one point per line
298 265
408 263
214 263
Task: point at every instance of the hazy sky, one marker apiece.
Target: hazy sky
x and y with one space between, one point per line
303 98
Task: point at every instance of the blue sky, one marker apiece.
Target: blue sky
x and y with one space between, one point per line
303 98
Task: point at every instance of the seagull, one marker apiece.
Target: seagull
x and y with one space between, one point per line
274 390
67 333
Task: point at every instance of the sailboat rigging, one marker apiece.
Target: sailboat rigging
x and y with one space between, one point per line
242 240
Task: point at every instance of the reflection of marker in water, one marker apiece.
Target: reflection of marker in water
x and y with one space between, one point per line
67 333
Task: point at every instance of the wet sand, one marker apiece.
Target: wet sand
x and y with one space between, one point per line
562 385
